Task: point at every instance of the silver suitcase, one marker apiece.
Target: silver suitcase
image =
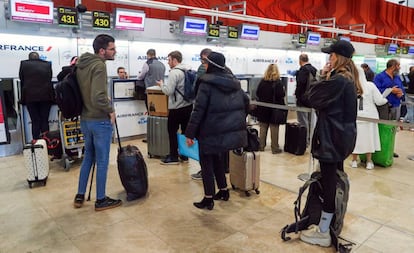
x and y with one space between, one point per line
245 171
157 136
36 162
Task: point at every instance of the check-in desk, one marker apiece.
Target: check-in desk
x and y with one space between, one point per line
130 109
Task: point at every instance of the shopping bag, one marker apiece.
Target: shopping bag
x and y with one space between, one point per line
189 151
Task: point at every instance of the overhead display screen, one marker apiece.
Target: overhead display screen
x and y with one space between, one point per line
249 32
67 16
101 20
129 20
232 32
32 11
213 31
194 26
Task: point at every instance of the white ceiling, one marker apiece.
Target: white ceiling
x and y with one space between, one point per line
408 3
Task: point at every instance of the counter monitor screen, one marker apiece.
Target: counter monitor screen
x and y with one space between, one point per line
193 26
129 20
313 39
32 11
249 32
392 48
410 50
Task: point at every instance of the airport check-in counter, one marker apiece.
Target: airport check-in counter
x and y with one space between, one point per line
130 109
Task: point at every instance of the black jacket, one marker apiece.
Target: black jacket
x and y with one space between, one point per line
269 92
218 119
65 71
410 88
302 79
36 81
335 101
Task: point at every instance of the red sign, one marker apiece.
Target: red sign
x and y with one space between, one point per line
32 11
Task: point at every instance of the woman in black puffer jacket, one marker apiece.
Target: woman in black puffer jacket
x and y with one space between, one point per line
218 122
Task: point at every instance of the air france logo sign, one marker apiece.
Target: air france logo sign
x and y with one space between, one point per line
29 48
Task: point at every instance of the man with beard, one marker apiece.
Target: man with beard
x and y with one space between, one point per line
389 78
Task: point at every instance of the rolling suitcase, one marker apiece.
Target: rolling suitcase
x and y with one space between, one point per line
36 162
157 136
295 139
132 170
245 171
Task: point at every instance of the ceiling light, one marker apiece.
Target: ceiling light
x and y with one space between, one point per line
146 4
229 15
364 35
333 30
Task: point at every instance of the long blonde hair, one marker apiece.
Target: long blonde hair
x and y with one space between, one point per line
271 73
346 67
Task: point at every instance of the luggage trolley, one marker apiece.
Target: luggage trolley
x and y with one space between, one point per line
72 141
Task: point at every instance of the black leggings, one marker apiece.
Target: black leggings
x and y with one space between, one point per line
176 118
328 180
39 115
213 166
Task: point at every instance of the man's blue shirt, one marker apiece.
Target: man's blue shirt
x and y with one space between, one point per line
384 81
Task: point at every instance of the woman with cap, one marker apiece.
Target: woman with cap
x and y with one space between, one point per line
218 122
335 101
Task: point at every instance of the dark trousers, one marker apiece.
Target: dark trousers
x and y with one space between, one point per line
39 114
328 180
213 166
176 118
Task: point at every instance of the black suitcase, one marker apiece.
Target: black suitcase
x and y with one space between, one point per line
295 138
132 170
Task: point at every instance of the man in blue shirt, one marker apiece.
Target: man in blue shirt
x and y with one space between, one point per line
389 78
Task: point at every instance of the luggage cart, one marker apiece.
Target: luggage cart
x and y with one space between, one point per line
72 141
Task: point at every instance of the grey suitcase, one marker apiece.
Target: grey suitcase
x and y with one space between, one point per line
36 162
245 171
157 136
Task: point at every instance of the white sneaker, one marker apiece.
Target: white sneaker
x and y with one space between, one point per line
370 166
354 164
314 236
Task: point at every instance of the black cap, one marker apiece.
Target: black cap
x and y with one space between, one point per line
341 47
216 59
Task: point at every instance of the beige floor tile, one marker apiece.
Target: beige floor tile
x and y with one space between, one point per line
389 240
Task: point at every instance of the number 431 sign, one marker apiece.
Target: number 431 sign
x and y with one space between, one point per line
67 16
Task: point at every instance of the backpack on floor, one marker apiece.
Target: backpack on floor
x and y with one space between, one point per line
68 96
189 85
311 213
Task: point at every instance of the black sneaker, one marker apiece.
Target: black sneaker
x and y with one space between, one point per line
183 159
107 203
197 176
79 199
169 160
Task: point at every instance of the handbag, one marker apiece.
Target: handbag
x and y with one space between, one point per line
278 116
384 111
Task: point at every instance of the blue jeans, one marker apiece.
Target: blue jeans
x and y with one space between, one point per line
97 136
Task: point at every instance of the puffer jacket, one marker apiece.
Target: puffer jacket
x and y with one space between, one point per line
36 81
218 120
335 101
269 92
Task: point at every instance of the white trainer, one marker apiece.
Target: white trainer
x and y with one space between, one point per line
314 236
354 164
370 166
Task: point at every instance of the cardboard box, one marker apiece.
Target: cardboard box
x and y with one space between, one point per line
157 102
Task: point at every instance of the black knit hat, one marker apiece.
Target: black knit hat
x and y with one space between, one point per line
341 47
216 59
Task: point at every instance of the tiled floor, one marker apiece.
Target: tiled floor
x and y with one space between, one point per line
380 215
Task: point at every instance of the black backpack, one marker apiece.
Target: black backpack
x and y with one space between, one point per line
68 96
190 77
253 141
311 213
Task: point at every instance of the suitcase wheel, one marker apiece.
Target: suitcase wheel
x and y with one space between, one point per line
233 187
257 191
30 185
150 156
247 193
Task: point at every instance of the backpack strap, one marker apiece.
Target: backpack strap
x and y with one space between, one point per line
177 90
298 201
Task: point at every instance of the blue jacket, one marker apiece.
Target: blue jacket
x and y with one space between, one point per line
384 81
